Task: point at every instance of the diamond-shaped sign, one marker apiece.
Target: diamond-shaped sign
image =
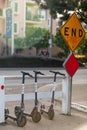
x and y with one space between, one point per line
73 32
71 64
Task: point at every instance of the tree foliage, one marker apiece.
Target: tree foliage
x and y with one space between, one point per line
60 6
34 35
64 6
19 42
43 43
82 11
82 48
60 42
37 37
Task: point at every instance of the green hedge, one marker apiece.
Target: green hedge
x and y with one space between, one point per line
82 61
18 61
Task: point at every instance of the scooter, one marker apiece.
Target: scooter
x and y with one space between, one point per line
20 119
19 110
36 116
50 111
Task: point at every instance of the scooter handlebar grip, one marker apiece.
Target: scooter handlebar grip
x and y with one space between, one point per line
41 73
38 72
30 75
61 74
57 73
26 73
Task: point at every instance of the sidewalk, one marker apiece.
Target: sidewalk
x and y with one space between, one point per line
77 120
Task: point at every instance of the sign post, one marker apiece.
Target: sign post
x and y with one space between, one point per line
8 27
67 92
73 33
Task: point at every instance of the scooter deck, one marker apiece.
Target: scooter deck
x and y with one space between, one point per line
11 117
27 114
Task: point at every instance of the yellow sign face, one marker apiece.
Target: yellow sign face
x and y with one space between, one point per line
73 32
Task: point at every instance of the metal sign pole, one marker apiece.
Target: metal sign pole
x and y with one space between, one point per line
12 6
67 94
50 40
7 48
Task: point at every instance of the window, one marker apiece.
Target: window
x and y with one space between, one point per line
28 13
42 14
1 12
16 7
15 28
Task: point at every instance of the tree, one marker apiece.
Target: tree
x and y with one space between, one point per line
37 37
82 11
64 6
19 42
60 42
59 6
83 46
34 35
43 43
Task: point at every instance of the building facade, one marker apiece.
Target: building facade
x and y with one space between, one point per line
24 14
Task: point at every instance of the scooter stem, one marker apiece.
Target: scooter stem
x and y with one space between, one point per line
36 73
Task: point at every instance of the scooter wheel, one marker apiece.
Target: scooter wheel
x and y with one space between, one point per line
6 113
51 114
17 110
21 121
41 111
36 116
41 108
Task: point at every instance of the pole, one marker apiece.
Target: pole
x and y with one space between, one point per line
12 46
7 48
67 95
50 40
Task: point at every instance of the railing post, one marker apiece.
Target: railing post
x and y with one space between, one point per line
2 99
67 90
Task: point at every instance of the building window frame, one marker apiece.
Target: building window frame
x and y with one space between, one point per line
42 14
16 7
16 28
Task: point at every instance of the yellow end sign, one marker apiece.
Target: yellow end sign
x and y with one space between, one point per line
73 32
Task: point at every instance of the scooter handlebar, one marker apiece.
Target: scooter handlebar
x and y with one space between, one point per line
56 72
38 72
26 73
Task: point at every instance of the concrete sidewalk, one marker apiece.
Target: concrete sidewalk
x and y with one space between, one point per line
77 121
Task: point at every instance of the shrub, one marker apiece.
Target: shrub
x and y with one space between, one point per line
18 61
